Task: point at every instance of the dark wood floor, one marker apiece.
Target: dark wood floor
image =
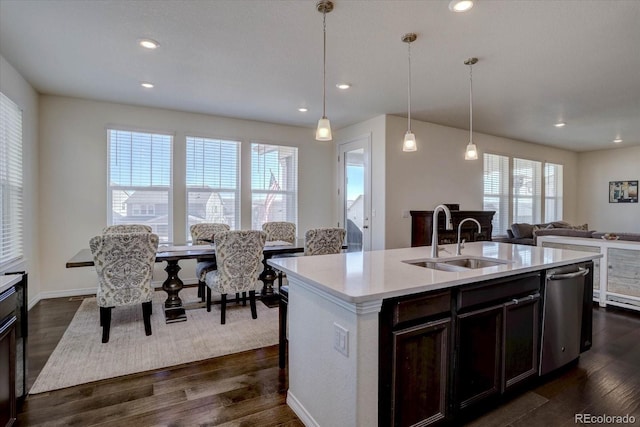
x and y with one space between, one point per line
248 389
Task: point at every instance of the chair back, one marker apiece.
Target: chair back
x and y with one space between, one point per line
127 228
124 263
239 257
206 230
280 230
323 241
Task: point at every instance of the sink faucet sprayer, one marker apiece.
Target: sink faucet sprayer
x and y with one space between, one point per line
434 228
461 244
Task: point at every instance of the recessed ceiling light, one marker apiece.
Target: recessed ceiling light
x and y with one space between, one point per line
343 86
560 124
460 5
146 85
303 110
148 43
617 140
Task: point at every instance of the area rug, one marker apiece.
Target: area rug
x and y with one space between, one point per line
80 356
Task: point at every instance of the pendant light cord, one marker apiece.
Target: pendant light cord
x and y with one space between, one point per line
324 63
409 90
470 103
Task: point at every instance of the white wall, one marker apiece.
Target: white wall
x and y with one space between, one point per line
20 91
73 202
596 169
437 172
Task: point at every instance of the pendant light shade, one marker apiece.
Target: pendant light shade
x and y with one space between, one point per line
409 143
472 151
323 132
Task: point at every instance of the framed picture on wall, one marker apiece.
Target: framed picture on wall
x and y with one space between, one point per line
623 191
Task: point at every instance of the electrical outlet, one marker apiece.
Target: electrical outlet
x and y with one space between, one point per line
341 339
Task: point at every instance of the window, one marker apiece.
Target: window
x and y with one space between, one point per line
212 182
140 180
521 201
496 190
552 192
11 190
274 184
527 183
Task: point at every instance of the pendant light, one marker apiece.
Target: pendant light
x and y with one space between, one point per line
472 150
323 132
409 143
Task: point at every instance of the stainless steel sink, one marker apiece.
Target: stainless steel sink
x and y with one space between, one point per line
436 265
456 264
474 263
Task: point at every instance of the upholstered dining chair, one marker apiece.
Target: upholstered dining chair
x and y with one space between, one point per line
280 231
239 256
317 241
127 228
124 263
205 230
323 241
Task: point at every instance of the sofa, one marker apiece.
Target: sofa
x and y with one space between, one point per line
526 234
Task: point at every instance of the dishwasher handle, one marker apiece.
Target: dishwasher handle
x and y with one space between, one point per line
581 272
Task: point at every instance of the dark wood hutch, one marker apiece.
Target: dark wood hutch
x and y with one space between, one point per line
422 223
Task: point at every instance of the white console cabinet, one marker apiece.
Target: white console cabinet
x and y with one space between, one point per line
616 279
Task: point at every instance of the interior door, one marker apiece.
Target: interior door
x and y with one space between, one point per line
354 160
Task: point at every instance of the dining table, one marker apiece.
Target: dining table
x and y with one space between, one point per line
174 308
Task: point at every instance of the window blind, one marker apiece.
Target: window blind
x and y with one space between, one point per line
139 179
496 191
11 188
212 178
274 184
553 185
527 184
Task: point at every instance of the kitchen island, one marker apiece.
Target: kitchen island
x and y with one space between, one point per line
377 338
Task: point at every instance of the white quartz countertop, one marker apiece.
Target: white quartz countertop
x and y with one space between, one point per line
368 276
8 281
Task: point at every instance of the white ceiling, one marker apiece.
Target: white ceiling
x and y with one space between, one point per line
540 61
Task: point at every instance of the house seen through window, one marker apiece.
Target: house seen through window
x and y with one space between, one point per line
140 180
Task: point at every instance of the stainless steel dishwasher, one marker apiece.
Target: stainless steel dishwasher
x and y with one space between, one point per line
562 316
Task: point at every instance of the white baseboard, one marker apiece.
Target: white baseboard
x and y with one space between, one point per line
300 411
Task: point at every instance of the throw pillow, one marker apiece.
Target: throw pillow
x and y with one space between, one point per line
537 228
580 227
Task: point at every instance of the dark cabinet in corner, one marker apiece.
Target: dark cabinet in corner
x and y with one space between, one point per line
422 224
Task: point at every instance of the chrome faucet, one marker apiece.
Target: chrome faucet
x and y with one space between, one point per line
461 244
434 228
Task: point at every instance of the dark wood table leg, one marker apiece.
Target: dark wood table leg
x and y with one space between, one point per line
268 276
173 308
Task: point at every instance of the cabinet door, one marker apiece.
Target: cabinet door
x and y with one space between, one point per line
7 372
520 340
479 338
419 378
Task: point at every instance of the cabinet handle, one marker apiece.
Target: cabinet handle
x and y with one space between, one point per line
8 324
525 299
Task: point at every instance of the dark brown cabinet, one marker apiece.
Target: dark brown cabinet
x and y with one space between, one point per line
415 339
422 224
420 369
497 336
13 335
480 345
